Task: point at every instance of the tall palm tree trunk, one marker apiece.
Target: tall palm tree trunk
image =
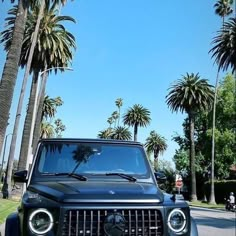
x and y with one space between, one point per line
22 164
38 121
20 103
135 132
212 192
10 70
192 159
156 159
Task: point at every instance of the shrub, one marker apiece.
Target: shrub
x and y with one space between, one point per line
222 189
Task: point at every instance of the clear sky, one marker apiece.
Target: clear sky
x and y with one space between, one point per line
132 50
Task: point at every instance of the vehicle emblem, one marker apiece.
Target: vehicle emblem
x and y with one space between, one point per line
114 224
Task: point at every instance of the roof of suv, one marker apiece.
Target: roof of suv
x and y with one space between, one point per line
90 140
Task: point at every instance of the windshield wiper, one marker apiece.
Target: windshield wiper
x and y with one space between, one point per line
122 175
74 175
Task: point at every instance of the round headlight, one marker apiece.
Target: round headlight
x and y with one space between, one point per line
176 220
40 221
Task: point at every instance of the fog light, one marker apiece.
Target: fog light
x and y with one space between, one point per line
176 220
40 221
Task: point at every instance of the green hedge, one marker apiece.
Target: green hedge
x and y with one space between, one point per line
222 189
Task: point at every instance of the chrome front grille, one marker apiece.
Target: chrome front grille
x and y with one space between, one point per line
141 222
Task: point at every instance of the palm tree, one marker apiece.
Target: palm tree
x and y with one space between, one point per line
137 116
47 130
223 8
49 110
10 69
52 55
115 116
45 54
110 121
60 127
155 144
20 102
50 106
190 95
121 133
105 134
119 104
224 49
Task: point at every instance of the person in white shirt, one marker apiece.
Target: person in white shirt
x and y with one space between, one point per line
231 198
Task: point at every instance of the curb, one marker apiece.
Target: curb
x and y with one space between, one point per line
212 209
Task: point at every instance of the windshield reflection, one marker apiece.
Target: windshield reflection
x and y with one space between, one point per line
91 158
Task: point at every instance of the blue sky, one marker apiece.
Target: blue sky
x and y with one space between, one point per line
132 50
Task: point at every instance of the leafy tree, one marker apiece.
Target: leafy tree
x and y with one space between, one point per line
191 95
137 116
156 144
226 105
165 167
121 133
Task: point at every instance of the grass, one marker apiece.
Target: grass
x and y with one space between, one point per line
207 205
7 207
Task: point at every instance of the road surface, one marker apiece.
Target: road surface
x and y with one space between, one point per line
214 222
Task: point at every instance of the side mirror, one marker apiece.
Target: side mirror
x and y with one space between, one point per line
20 176
160 177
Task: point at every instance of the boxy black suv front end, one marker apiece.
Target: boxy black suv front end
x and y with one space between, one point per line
84 187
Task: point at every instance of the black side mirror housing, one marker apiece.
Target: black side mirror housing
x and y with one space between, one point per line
20 176
160 177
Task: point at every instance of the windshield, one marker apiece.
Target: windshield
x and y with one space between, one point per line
91 159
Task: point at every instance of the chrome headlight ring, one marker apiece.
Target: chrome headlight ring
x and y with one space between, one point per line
176 220
40 221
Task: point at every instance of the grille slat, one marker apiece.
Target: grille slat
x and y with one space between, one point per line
138 222
98 223
91 223
77 224
129 223
70 224
84 221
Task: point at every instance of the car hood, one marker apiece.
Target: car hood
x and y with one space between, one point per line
70 191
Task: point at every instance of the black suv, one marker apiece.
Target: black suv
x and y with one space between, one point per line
82 187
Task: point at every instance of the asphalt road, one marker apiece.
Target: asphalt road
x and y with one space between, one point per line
214 222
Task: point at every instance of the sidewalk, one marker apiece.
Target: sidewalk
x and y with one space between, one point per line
2 229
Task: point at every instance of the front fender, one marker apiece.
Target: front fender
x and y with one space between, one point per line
194 231
12 226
